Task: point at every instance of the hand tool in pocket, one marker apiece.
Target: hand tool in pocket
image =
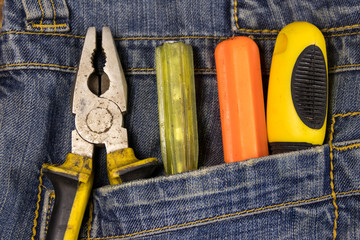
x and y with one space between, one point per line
241 99
98 121
177 107
298 89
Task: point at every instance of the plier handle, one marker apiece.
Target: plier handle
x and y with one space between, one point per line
98 122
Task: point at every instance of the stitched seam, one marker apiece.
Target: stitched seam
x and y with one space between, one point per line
218 217
42 14
333 194
48 25
37 64
332 186
41 25
53 6
344 66
149 38
342 34
37 33
140 69
51 198
37 205
276 31
235 15
340 28
167 38
348 192
348 147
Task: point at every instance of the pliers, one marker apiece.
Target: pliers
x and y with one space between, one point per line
98 122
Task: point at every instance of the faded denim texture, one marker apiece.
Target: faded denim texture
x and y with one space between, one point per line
311 194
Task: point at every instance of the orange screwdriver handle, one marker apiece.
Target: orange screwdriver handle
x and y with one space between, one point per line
241 99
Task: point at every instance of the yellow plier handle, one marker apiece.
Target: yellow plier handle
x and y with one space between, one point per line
72 182
123 166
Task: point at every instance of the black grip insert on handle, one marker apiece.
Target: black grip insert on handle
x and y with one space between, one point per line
65 190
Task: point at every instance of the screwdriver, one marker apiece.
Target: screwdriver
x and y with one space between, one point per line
298 89
241 99
177 107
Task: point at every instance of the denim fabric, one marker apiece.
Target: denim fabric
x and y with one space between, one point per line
311 194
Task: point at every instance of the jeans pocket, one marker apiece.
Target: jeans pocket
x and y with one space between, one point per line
292 195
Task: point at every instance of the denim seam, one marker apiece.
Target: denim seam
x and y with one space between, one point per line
54 20
169 38
41 25
42 33
51 198
227 215
160 38
142 69
348 27
42 13
348 147
344 66
37 205
332 186
37 64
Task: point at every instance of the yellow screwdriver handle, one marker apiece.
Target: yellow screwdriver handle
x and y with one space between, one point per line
72 182
298 89
123 166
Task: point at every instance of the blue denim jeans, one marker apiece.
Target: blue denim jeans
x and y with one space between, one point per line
310 194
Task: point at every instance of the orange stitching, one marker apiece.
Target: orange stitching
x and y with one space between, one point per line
332 167
51 197
340 28
349 192
348 147
37 64
235 15
37 33
47 25
53 6
333 194
41 25
264 38
37 205
140 69
343 34
344 66
42 14
152 38
346 114
169 38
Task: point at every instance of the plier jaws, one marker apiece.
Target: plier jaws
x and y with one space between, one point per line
99 117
